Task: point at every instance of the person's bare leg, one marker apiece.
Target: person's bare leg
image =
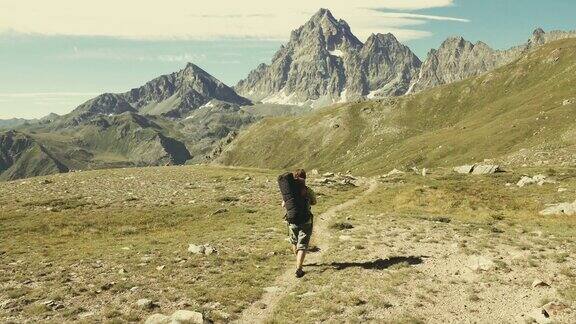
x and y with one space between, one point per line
300 255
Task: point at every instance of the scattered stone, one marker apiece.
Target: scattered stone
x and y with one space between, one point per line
315 172
567 102
121 271
328 175
562 189
248 178
196 249
539 179
539 283
145 303
424 172
160 268
45 181
208 249
560 209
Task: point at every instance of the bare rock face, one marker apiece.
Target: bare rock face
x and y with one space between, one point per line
324 63
457 59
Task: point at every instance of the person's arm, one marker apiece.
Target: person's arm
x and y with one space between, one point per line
312 196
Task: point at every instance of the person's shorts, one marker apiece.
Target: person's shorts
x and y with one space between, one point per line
300 235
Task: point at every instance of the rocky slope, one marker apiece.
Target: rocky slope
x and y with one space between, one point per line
458 59
521 113
174 95
324 62
22 156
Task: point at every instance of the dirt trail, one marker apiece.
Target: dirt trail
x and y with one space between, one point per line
260 310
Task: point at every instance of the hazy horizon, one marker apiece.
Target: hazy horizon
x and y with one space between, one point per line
52 64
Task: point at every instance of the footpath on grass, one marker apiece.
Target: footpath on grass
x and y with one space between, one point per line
260 310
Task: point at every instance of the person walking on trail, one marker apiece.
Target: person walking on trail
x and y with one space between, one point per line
300 227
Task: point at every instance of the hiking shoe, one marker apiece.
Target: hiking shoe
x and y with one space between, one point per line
300 273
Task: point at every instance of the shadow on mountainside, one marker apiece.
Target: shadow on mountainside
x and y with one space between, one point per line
378 264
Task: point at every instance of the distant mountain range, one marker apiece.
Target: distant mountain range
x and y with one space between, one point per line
189 116
324 63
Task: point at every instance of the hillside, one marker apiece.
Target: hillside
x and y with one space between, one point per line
522 113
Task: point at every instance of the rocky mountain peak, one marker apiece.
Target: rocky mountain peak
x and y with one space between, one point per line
325 63
325 28
538 37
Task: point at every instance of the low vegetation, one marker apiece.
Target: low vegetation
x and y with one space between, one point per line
522 113
89 245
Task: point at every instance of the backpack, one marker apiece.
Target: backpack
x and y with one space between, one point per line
296 206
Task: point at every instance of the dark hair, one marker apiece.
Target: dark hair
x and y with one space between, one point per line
300 173
300 176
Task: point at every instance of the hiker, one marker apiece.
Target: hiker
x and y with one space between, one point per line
300 227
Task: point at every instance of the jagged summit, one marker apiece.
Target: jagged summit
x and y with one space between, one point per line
324 62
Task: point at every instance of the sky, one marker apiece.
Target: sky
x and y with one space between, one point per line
56 54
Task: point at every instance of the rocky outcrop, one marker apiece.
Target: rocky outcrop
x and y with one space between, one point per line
324 63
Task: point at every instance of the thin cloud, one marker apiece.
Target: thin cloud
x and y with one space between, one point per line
115 55
215 19
420 17
45 94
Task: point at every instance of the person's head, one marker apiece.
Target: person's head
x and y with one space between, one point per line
300 176
300 173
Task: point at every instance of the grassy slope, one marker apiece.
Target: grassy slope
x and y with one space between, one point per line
515 107
442 221
71 234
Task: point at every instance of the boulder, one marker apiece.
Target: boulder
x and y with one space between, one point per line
560 209
178 317
464 169
486 169
478 169
567 102
196 249
209 249
186 316
157 319
539 283
145 303
328 175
